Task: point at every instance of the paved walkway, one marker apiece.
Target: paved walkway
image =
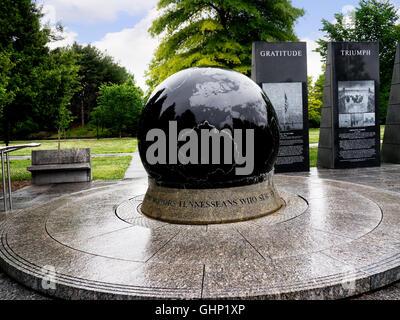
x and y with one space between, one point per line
135 169
386 177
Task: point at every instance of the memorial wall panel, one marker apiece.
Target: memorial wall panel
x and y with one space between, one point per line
351 107
280 69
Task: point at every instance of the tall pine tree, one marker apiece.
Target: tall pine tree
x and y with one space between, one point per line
22 37
95 68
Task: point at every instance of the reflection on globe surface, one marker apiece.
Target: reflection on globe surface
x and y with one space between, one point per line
215 99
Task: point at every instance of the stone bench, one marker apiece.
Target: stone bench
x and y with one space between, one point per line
61 166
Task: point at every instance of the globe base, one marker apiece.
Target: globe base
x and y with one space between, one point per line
211 206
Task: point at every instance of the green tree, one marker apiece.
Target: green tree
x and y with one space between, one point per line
60 81
320 84
25 41
216 33
6 66
119 107
62 121
97 117
315 95
373 20
96 68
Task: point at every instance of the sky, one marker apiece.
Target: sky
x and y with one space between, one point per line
119 27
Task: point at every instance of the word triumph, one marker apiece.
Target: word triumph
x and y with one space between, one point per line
355 52
188 153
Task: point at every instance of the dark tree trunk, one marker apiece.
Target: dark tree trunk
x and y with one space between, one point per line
6 132
82 114
59 139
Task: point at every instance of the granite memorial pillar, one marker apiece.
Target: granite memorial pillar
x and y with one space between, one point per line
391 139
350 134
280 69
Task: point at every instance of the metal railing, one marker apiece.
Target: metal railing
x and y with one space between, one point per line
4 151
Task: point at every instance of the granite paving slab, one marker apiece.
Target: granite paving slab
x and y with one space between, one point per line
332 240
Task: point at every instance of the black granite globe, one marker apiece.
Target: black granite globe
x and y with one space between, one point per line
208 127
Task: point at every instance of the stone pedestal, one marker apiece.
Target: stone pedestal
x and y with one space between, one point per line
211 206
391 139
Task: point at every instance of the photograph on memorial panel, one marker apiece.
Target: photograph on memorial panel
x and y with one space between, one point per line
344 120
369 119
287 99
356 101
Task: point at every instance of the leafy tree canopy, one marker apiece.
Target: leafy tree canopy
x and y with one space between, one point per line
60 81
119 107
372 20
216 33
315 96
95 69
5 69
24 41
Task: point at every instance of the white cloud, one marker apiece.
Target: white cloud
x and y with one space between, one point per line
50 18
348 9
314 64
69 37
348 12
97 10
50 14
133 48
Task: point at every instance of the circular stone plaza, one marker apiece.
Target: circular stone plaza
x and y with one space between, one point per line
203 231
336 237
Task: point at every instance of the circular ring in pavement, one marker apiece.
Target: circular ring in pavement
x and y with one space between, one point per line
332 240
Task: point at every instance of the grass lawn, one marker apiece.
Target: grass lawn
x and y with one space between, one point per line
18 170
103 168
313 156
112 145
314 135
109 145
106 168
